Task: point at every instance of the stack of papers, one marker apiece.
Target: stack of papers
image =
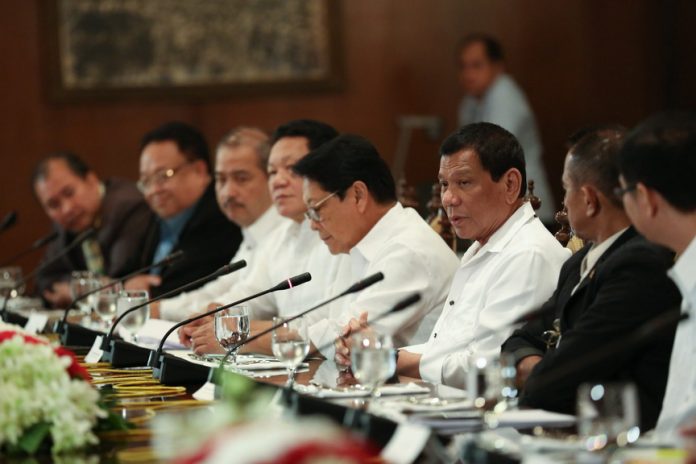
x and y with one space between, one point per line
360 392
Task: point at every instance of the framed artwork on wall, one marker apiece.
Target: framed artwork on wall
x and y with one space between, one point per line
114 49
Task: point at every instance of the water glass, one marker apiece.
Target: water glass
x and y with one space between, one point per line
290 343
81 283
491 382
10 277
373 359
607 414
231 328
105 303
128 299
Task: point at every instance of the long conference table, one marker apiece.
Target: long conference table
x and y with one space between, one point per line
440 420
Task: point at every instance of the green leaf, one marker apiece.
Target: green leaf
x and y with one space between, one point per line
33 437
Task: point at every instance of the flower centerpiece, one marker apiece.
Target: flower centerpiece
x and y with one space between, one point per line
46 399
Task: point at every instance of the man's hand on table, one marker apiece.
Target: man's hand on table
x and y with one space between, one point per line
186 332
343 343
524 368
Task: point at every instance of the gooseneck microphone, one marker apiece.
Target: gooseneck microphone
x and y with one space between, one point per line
226 269
71 246
154 360
398 306
356 287
165 261
8 221
43 241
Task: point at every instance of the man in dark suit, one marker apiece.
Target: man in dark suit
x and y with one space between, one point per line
610 287
175 177
75 199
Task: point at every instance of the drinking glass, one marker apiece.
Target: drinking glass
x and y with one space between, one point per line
607 415
82 282
128 299
373 359
10 276
105 303
290 343
491 382
232 327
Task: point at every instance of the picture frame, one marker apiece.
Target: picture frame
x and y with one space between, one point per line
183 49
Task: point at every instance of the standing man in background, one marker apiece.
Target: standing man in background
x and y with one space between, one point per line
491 95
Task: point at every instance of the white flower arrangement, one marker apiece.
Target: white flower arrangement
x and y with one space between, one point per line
44 393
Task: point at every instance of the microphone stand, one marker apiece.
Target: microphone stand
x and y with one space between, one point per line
123 354
77 241
77 335
175 371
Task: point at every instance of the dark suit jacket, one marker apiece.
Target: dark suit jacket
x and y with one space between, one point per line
627 288
209 240
124 218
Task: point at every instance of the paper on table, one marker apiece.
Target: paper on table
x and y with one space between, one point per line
398 389
152 332
406 444
528 418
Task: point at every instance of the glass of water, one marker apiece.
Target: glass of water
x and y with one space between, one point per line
290 343
105 303
11 281
373 359
232 327
81 283
128 299
608 414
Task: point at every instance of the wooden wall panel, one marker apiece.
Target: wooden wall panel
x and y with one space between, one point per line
580 61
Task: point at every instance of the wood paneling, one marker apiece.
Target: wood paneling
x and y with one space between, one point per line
579 61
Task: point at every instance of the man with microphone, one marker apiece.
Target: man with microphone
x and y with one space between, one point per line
75 199
241 188
511 267
606 291
291 249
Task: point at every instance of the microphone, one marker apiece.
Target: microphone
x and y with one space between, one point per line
61 324
356 287
155 356
8 221
214 376
398 306
43 241
164 261
72 245
226 269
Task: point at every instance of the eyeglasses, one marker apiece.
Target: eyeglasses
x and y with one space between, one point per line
312 212
159 178
619 192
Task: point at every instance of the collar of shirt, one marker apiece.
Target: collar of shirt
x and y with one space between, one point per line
596 252
503 235
683 273
172 227
263 226
373 241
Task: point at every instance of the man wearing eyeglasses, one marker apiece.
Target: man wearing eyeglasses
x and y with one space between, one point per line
176 180
75 199
609 288
351 204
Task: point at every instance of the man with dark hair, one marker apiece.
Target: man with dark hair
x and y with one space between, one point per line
291 249
613 285
241 187
658 168
351 202
510 268
175 177
75 199
491 95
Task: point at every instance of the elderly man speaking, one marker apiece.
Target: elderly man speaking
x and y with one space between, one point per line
511 267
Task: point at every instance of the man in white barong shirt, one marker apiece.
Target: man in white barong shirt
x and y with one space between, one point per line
511 268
